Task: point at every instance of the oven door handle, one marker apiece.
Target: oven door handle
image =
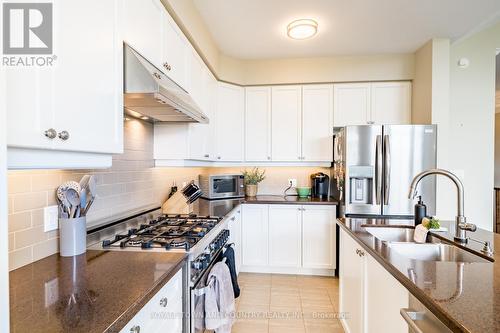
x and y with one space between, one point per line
203 290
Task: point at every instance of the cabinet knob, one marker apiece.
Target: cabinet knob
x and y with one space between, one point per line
64 135
50 133
164 302
135 329
218 157
167 66
269 158
156 75
206 155
370 122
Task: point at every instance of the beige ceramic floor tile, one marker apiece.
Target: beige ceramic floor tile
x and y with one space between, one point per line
250 327
285 300
292 326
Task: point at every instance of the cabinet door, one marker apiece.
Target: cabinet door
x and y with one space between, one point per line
195 80
351 275
29 106
88 78
317 123
384 297
351 104
286 123
230 123
143 28
318 237
391 103
175 52
201 136
235 236
257 124
284 236
254 235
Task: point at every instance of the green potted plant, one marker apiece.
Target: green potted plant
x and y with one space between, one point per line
252 178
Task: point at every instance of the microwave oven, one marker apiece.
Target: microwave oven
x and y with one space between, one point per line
222 186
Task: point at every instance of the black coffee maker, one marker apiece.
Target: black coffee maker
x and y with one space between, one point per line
320 184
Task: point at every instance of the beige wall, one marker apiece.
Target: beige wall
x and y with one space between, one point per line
422 86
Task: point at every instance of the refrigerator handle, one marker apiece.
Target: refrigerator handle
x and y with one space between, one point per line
378 169
387 167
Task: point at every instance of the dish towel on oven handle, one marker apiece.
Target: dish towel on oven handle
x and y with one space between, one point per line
231 263
219 300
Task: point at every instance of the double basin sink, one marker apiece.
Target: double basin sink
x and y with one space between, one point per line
400 240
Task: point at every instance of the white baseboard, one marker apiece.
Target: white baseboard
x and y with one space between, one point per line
288 270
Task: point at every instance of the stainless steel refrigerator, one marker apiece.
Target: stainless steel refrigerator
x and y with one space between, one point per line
374 166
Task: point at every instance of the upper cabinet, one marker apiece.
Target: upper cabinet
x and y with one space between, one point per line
76 105
317 123
372 103
175 55
391 102
286 120
258 124
143 23
229 123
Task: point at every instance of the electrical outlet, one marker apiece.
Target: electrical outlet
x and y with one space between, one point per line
292 182
50 220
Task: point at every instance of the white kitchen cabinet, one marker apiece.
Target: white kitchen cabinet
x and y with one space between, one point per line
162 312
372 103
170 141
255 231
257 124
79 100
285 235
143 28
351 104
230 118
369 295
318 237
286 122
234 227
196 79
317 123
391 103
351 284
384 297
175 53
202 136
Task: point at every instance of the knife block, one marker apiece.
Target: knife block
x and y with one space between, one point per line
177 204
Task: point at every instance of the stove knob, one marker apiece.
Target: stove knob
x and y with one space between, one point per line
196 265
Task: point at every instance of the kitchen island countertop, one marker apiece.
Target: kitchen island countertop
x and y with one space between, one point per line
99 291
474 308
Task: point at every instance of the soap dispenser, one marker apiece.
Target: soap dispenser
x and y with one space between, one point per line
420 211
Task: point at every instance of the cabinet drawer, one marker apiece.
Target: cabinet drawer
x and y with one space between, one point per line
163 313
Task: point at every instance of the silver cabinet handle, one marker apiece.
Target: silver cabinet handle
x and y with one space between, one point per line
167 66
387 167
64 135
156 75
164 302
50 133
206 155
370 122
410 317
218 157
357 252
135 329
269 157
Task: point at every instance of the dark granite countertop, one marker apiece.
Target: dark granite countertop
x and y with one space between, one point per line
464 296
289 199
99 291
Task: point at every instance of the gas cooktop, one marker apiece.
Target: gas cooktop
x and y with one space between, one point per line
165 231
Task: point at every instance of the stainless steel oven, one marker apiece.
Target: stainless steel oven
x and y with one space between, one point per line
222 186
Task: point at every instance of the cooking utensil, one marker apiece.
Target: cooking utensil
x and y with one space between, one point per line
73 197
91 192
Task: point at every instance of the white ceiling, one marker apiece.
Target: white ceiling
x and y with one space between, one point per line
256 29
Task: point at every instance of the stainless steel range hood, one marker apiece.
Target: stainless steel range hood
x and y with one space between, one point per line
152 95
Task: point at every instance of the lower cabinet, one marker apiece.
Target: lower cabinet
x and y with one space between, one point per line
370 297
163 313
293 239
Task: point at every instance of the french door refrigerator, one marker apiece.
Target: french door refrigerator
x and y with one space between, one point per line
375 164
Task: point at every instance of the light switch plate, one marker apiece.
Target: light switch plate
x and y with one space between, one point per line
293 182
50 220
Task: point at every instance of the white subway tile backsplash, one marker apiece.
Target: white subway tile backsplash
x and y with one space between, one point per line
19 221
29 201
21 257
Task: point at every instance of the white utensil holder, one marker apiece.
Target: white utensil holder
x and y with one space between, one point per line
72 236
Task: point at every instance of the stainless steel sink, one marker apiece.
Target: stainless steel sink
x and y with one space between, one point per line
433 252
388 234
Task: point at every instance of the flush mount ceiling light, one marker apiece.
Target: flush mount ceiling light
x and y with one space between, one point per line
302 29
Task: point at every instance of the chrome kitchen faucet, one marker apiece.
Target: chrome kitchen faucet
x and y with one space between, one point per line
461 225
